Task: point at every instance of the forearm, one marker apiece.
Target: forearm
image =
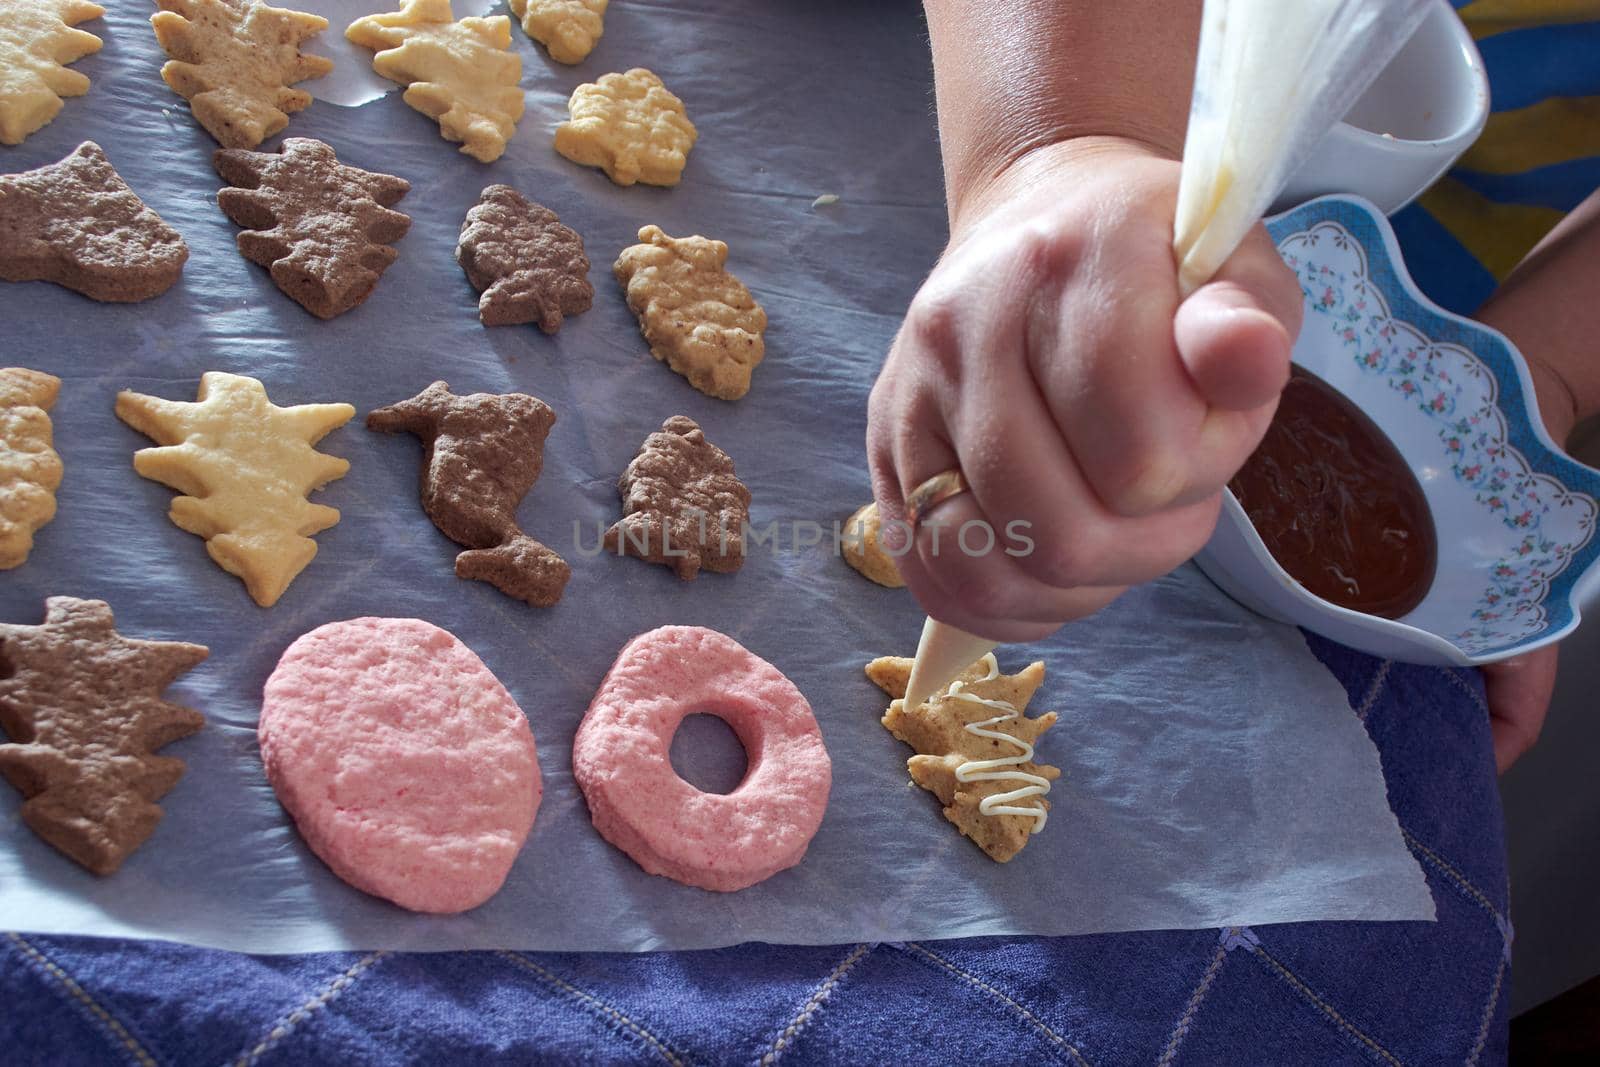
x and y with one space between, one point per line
1015 75
1550 308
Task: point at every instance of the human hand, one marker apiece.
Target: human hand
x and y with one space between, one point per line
1048 357
1518 694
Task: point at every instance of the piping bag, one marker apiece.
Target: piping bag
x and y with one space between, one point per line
1271 78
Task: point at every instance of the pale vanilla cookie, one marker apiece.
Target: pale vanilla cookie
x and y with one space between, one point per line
974 746
863 547
36 41
245 467
235 62
567 28
630 126
700 320
462 73
30 470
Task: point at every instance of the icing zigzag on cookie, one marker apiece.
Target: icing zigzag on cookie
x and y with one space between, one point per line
974 747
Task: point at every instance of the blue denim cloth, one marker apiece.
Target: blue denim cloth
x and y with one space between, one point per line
1291 994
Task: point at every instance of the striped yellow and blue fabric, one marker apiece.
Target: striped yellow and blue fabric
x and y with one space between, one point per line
1538 157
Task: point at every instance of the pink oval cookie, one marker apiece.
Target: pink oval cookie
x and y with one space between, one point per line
405 764
621 761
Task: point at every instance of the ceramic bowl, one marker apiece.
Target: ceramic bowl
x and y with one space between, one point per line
1422 112
1515 516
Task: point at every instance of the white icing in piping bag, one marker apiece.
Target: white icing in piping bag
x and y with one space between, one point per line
1271 77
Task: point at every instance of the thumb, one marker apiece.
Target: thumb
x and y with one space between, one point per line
1234 333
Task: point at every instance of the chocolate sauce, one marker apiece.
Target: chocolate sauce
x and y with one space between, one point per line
1336 504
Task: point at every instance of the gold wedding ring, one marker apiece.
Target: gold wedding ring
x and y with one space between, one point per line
933 492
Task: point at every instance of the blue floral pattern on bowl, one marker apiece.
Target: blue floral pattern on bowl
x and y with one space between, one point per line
1454 388
1463 379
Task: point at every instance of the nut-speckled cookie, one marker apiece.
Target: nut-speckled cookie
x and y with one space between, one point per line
699 319
964 726
236 62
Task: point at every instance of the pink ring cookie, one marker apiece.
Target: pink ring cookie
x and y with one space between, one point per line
621 761
407 767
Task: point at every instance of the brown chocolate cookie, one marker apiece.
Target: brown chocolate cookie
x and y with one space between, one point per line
322 228
76 223
82 707
682 506
528 266
482 453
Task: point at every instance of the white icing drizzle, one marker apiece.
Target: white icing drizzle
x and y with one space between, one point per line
983 770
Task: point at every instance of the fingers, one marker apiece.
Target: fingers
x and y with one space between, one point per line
1160 403
1234 333
1518 692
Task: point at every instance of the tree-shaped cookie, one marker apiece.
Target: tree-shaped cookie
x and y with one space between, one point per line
528 266
699 319
321 227
974 745
682 504
245 467
82 707
36 41
567 28
462 73
630 126
76 223
235 62
30 470
482 453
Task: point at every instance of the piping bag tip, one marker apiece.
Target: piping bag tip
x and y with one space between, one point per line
942 653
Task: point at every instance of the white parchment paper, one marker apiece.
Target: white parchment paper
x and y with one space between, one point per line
1214 772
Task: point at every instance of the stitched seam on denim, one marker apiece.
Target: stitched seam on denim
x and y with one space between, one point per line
1488 1014
1460 882
979 984
814 1002
1192 1008
593 1003
1456 680
82 997
287 1023
1349 1029
1374 690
